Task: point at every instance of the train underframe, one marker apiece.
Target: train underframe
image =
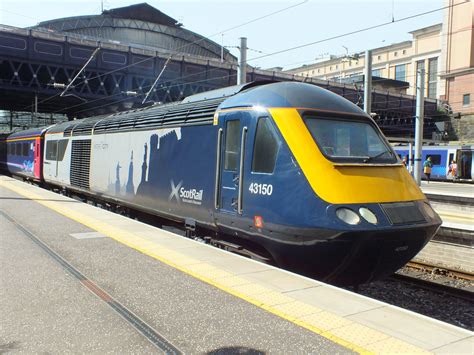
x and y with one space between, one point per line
343 258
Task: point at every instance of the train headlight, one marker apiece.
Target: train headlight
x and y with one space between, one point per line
368 215
429 210
348 216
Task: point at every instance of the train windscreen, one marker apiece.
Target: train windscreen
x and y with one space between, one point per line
344 140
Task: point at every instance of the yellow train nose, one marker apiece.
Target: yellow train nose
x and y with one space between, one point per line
338 183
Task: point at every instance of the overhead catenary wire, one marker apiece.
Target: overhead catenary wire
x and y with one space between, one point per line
356 31
208 71
310 62
192 82
282 51
191 43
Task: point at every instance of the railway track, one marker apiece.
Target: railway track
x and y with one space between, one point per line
440 284
449 272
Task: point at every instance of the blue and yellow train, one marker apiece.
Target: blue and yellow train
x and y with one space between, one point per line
286 172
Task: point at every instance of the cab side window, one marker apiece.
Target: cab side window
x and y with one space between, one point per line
51 150
232 145
265 148
62 145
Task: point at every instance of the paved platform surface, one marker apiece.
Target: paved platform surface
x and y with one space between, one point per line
455 216
448 189
197 298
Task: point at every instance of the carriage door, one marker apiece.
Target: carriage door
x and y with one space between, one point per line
464 162
37 158
232 139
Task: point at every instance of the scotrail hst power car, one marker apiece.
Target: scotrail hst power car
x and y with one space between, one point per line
287 172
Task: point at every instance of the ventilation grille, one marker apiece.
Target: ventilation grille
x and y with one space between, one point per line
80 163
83 129
196 113
403 213
68 129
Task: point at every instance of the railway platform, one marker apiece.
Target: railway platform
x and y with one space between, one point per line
453 246
76 278
449 192
454 202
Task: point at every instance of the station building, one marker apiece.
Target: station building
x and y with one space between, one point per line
445 51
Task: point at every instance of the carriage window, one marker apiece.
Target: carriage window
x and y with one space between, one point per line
25 149
9 148
435 159
18 149
232 145
265 148
51 150
62 145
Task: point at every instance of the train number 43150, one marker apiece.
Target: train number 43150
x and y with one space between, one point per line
261 189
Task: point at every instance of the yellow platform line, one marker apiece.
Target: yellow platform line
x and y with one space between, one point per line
333 327
459 217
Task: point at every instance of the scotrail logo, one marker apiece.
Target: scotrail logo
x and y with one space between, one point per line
186 195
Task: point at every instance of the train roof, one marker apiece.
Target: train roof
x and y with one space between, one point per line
199 109
292 94
32 132
225 92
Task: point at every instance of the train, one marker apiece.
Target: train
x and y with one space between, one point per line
442 157
283 172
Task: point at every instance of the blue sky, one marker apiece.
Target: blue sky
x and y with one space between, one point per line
311 21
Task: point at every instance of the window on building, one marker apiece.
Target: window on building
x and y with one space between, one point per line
232 145
432 77
376 72
395 54
466 99
265 148
330 68
379 57
337 66
319 70
400 72
404 51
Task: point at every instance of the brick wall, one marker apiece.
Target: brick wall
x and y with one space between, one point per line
464 127
457 87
